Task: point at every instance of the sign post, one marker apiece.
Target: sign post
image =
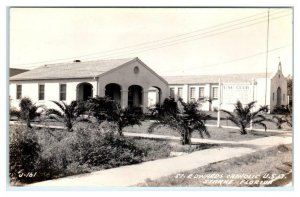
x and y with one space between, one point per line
219 104
251 124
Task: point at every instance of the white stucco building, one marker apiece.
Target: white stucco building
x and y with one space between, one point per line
128 81
270 89
132 83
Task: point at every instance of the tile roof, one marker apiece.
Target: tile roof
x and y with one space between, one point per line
228 78
87 69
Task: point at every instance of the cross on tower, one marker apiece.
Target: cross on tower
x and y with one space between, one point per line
279 65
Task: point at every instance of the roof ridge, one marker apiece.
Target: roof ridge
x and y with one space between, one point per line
215 74
72 69
82 62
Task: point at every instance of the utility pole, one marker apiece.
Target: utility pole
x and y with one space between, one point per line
267 56
219 105
253 86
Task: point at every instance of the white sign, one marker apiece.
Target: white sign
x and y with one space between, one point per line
233 92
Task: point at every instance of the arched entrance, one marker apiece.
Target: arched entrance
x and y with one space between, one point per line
113 91
135 96
84 91
154 96
278 96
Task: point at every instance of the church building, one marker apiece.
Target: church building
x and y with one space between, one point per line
267 89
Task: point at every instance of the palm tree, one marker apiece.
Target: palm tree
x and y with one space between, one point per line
28 111
283 116
182 117
243 116
126 117
68 114
106 109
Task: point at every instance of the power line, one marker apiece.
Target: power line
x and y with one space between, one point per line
172 37
191 39
198 38
126 48
234 60
122 52
149 42
155 46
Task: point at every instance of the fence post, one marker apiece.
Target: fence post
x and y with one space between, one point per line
219 104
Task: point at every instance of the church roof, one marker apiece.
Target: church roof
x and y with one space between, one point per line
226 78
76 69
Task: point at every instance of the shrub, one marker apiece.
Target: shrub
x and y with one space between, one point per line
53 153
106 149
14 113
282 110
283 117
86 148
24 152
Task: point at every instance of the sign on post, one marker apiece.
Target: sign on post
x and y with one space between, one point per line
234 92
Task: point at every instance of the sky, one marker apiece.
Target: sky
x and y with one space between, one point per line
172 41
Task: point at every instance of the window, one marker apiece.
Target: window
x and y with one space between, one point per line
283 97
179 92
192 93
19 91
273 96
172 92
201 93
41 92
62 92
215 92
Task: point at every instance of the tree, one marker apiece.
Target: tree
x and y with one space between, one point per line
242 116
283 116
126 117
28 111
68 114
106 109
182 117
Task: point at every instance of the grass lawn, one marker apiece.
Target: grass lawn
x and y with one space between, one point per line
225 122
215 132
225 134
257 170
